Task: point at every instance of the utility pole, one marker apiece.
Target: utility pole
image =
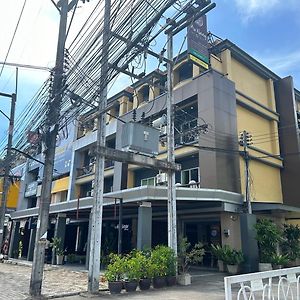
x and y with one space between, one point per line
7 165
52 127
172 217
245 142
97 211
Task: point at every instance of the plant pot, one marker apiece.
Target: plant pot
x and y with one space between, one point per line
184 279
159 282
170 280
221 265
115 287
277 267
232 269
130 286
262 267
59 259
144 284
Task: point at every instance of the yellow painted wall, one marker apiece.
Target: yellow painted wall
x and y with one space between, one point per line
261 129
13 194
251 84
265 182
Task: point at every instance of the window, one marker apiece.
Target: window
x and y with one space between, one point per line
189 174
148 181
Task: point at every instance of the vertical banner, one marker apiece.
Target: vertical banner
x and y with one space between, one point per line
197 41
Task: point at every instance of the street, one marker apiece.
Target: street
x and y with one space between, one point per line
65 281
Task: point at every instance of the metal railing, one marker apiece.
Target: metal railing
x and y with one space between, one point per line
270 285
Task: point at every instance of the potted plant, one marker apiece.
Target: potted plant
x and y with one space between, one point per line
59 256
159 266
233 258
218 252
279 261
57 250
131 271
145 270
186 257
115 273
268 236
290 244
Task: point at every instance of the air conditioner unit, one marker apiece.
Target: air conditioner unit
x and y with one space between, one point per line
161 178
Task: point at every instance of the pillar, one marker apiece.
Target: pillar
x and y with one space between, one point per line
14 240
249 243
88 243
31 244
144 230
59 231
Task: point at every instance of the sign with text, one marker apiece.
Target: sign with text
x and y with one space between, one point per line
197 39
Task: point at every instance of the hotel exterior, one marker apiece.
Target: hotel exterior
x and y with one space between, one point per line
232 94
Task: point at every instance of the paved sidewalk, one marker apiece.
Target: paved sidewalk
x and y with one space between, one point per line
208 286
71 282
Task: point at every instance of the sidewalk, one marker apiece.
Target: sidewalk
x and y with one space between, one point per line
71 282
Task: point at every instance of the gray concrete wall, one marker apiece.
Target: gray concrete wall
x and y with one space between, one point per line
289 140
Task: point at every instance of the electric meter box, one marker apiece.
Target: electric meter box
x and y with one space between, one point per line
141 138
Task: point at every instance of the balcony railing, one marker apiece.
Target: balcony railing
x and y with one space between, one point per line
86 170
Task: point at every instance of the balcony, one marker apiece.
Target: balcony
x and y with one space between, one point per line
86 170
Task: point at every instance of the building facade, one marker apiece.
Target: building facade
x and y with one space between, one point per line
235 93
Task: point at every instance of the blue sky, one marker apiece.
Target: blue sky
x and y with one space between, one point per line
266 29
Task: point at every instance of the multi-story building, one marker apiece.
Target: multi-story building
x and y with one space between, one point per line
234 94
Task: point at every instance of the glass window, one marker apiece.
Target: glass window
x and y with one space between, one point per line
148 181
189 174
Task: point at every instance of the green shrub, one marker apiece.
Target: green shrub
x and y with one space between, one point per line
267 235
233 257
115 269
290 244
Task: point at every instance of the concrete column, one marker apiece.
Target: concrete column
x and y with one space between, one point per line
15 238
144 230
88 243
31 244
75 163
230 230
59 231
249 243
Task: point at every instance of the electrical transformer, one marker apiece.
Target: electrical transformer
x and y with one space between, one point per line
140 138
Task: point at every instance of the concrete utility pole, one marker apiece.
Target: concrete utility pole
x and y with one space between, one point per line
7 165
52 127
172 217
97 211
245 142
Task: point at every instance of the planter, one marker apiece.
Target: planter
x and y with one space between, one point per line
184 279
145 284
262 267
115 287
170 280
221 265
277 267
59 259
159 282
232 269
130 286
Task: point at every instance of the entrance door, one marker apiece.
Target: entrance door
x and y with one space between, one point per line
206 232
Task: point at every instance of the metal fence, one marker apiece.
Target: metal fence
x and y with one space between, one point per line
270 285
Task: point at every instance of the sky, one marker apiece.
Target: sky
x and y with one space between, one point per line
266 29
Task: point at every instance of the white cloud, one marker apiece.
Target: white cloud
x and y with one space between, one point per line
253 8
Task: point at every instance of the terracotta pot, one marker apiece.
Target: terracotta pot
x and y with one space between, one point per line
115 287
170 280
159 282
130 286
144 284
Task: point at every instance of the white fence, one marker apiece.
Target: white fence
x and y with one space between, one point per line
270 285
